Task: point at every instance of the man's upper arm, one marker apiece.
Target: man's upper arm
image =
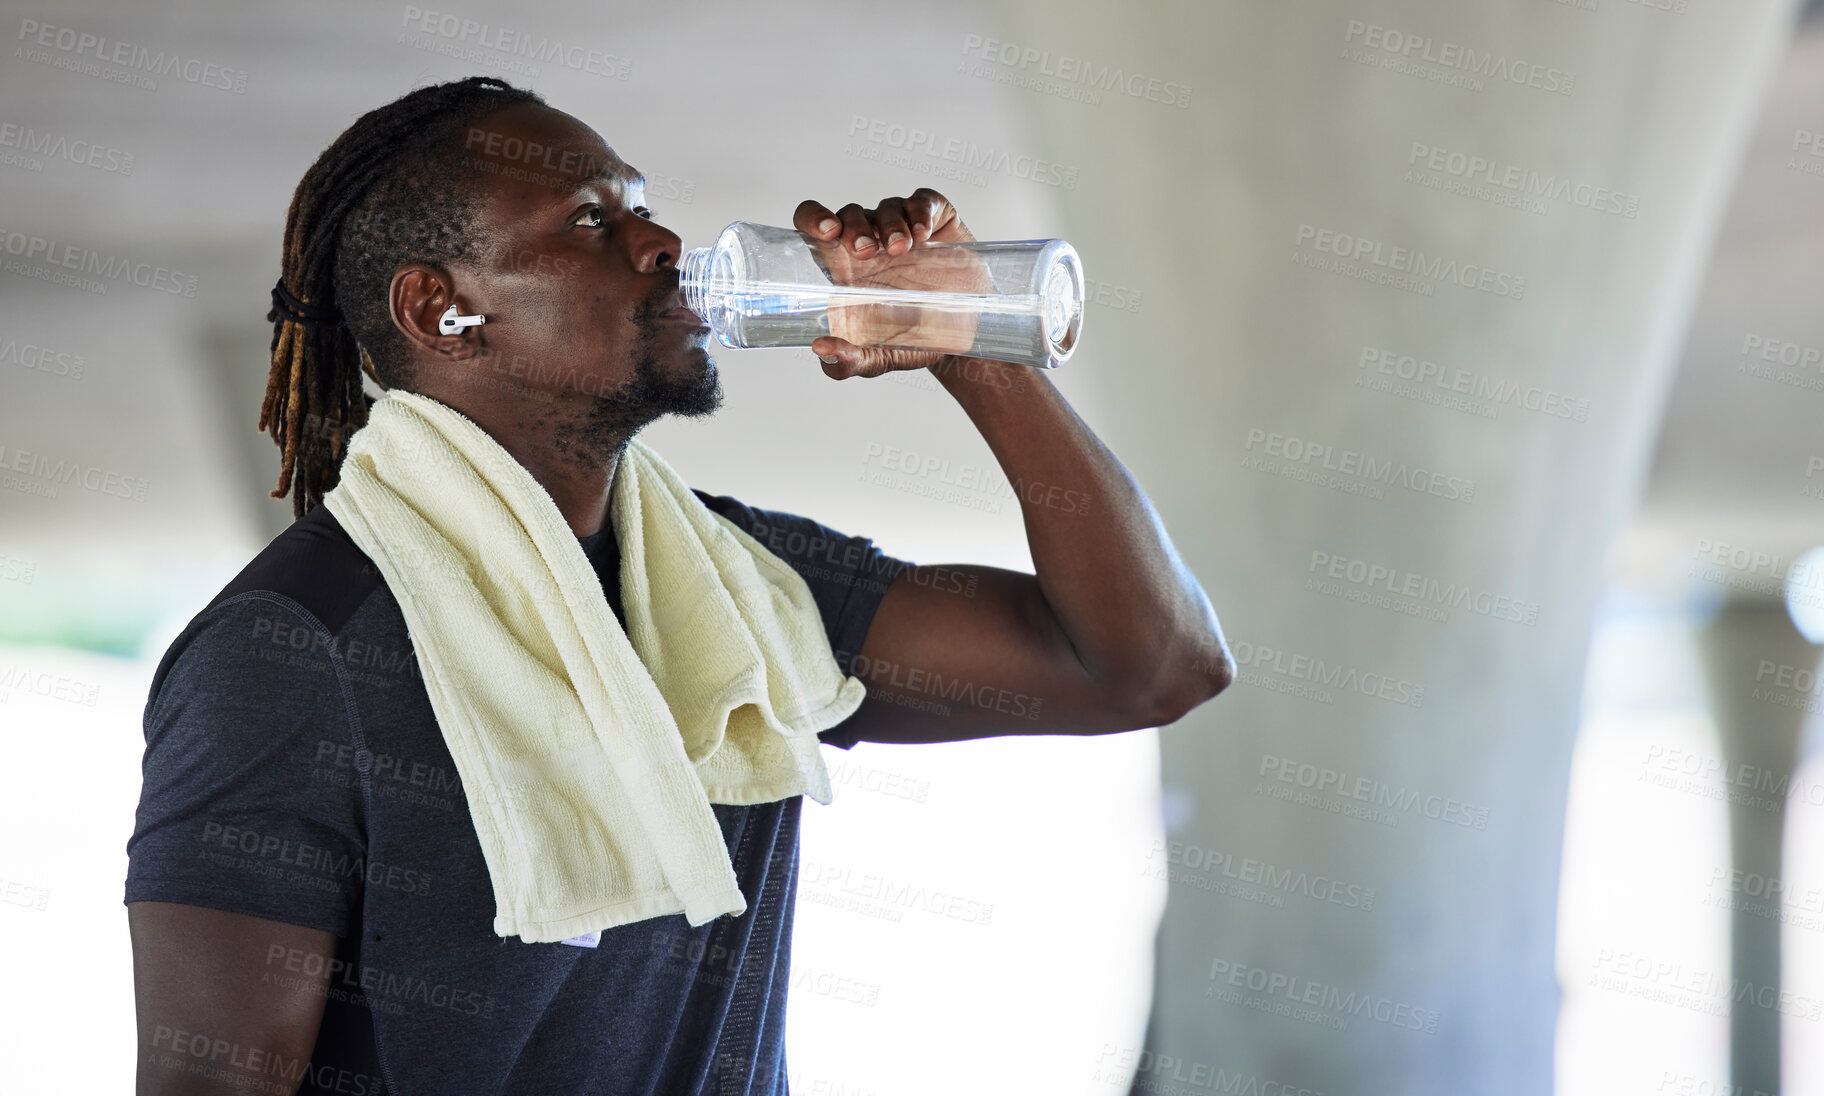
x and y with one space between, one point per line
222 997
968 651
947 652
246 860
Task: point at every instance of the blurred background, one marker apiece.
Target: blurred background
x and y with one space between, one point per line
1469 351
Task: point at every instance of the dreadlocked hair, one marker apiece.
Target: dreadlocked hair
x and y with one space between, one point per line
387 192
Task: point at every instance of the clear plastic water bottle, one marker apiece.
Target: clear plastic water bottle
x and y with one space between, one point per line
1013 301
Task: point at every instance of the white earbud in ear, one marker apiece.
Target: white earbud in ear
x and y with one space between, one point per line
451 324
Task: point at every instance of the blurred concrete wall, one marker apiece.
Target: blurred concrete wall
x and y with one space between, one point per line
1411 282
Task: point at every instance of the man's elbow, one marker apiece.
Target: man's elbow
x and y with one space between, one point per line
1197 687
1174 695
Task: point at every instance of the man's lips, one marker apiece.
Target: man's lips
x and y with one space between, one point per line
674 308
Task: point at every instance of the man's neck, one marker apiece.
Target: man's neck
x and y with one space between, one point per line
568 443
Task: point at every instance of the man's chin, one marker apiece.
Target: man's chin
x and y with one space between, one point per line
693 389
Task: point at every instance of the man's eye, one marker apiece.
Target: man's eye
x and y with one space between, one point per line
644 212
593 217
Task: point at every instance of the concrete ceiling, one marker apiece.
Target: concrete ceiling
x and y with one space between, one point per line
1740 431
213 169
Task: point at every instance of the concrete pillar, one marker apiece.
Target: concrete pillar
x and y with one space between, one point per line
1744 636
1406 284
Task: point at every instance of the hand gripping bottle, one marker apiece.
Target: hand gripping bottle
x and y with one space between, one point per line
1015 301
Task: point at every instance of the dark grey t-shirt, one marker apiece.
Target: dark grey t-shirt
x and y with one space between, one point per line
294 771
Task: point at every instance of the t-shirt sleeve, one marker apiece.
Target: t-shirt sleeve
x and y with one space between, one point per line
847 576
248 801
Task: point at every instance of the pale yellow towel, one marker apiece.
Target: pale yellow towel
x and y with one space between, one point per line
590 756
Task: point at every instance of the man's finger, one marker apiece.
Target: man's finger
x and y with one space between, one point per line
815 218
828 347
931 211
836 356
842 359
895 232
858 231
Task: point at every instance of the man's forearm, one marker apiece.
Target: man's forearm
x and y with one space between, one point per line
1136 616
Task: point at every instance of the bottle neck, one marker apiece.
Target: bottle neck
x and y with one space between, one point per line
693 279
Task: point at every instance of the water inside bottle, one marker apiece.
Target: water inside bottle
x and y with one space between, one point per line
763 286
975 324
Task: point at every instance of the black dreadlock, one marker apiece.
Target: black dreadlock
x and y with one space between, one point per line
381 195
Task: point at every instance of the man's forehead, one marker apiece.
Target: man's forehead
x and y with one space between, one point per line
559 154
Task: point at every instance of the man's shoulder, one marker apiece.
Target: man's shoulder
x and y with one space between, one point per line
313 563
731 508
785 533
834 563
310 576
298 593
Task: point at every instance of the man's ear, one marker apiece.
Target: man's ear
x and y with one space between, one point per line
420 295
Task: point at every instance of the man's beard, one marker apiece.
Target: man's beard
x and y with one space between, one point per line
649 394
653 390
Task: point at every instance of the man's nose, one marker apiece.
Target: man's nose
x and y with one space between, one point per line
657 248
